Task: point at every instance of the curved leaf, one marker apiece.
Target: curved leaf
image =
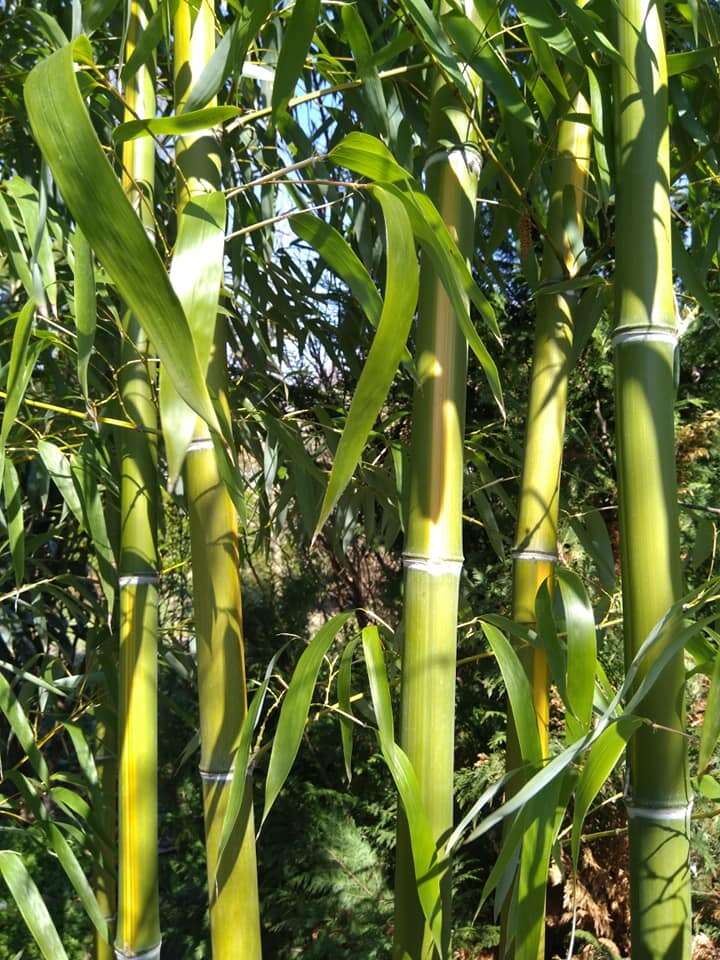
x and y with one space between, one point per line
297 38
85 305
401 291
581 654
31 905
178 125
91 190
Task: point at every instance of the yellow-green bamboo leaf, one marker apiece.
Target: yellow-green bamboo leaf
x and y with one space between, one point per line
296 42
401 291
294 710
31 905
92 192
177 126
84 306
12 496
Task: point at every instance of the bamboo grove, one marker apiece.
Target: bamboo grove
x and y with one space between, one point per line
358 506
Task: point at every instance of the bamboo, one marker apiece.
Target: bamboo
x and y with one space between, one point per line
658 794
433 548
233 893
138 929
535 553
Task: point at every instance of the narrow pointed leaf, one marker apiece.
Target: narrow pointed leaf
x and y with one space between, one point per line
12 495
85 305
20 726
297 38
711 721
581 653
31 905
294 710
90 188
344 687
401 291
179 125
77 878
19 371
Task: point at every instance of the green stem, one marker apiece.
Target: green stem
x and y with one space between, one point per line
433 547
138 928
217 603
659 791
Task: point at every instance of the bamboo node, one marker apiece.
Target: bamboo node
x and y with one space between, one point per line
635 811
152 954
659 333
201 443
434 566
138 580
217 776
537 556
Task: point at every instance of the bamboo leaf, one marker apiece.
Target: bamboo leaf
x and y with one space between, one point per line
229 54
18 372
77 878
432 35
401 291
424 851
519 693
196 274
605 753
31 905
294 710
297 38
149 39
369 157
690 60
85 469
85 305
344 686
14 247
581 654
58 466
91 190
711 721
12 495
19 724
372 89
238 785
178 125
340 257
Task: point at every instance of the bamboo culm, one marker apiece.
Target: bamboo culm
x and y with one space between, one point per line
138 928
658 796
433 546
217 602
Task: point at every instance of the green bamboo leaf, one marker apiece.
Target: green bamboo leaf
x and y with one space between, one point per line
19 372
540 17
548 639
14 247
149 39
85 305
294 710
432 35
33 211
85 470
340 257
581 654
297 38
229 54
401 291
424 851
93 194
196 274
58 466
369 157
12 495
690 60
519 693
362 51
96 12
77 878
344 686
481 55
692 277
238 785
178 125
506 860
605 753
19 724
540 819
31 905
597 112
711 721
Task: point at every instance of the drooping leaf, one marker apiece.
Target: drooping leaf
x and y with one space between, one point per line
20 725
424 851
294 710
31 905
344 686
372 89
581 653
297 38
178 125
77 878
18 372
196 274
91 190
12 496
85 305
401 291
711 721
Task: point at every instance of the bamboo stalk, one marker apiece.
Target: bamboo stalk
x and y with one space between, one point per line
217 603
433 548
535 554
138 929
658 794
